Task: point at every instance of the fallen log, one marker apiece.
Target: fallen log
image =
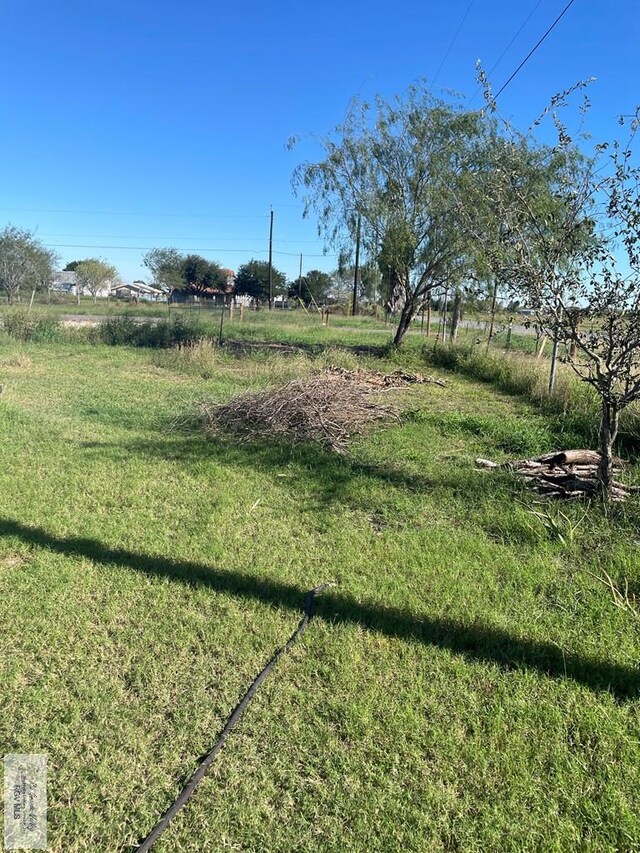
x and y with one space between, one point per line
572 457
567 473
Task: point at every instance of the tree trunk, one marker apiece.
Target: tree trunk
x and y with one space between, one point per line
554 363
428 316
444 315
494 302
406 316
608 433
455 316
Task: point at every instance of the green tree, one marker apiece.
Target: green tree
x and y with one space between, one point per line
398 171
191 274
371 283
200 276
24 262
252 279
165 266
312 288
94 274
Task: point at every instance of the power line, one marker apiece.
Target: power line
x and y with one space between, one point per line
138 248
173 238
217 251
533 50
453 41
129 213
502 55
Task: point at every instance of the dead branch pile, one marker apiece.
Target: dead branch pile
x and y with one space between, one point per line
376 378
564 474
326 408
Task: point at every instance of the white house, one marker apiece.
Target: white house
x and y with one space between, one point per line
139 290
64 281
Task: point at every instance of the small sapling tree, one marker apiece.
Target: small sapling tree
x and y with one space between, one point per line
568 242
603 335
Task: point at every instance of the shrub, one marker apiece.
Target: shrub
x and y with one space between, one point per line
118 331
20 325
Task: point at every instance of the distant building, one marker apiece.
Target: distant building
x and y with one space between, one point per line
64 281
139 290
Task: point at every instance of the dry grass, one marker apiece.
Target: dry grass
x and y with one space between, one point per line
21 360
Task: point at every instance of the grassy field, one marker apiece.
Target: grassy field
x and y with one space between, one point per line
466 685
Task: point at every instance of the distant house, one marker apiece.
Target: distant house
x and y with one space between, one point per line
64 281
139 290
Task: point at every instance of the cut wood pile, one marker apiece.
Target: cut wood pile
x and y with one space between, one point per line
326 408
565 474
376 378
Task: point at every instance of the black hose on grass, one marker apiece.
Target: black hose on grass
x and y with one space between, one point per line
239 710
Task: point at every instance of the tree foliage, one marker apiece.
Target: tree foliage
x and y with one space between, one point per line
200 276
252 279
398 168
191 274
24 262
313 288
94 274
165 266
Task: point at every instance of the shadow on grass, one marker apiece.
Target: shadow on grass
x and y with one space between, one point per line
474 642
332 477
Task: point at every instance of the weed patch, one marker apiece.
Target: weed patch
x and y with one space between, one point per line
164 333
20 325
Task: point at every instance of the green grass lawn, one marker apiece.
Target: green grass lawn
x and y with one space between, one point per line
467 684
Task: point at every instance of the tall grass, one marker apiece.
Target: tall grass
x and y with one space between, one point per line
21 325
573 402
171 332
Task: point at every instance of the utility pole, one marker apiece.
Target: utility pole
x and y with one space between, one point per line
271 261
300 280
356 272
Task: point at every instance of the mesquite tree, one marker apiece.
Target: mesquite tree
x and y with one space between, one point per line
568 241
94 275
603 336
397 172
530 211
24 262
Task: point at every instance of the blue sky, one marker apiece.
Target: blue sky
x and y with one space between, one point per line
129 125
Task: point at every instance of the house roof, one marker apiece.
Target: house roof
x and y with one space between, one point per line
140 287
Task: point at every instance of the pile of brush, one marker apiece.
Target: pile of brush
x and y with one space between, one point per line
566 474
326 408
378 379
